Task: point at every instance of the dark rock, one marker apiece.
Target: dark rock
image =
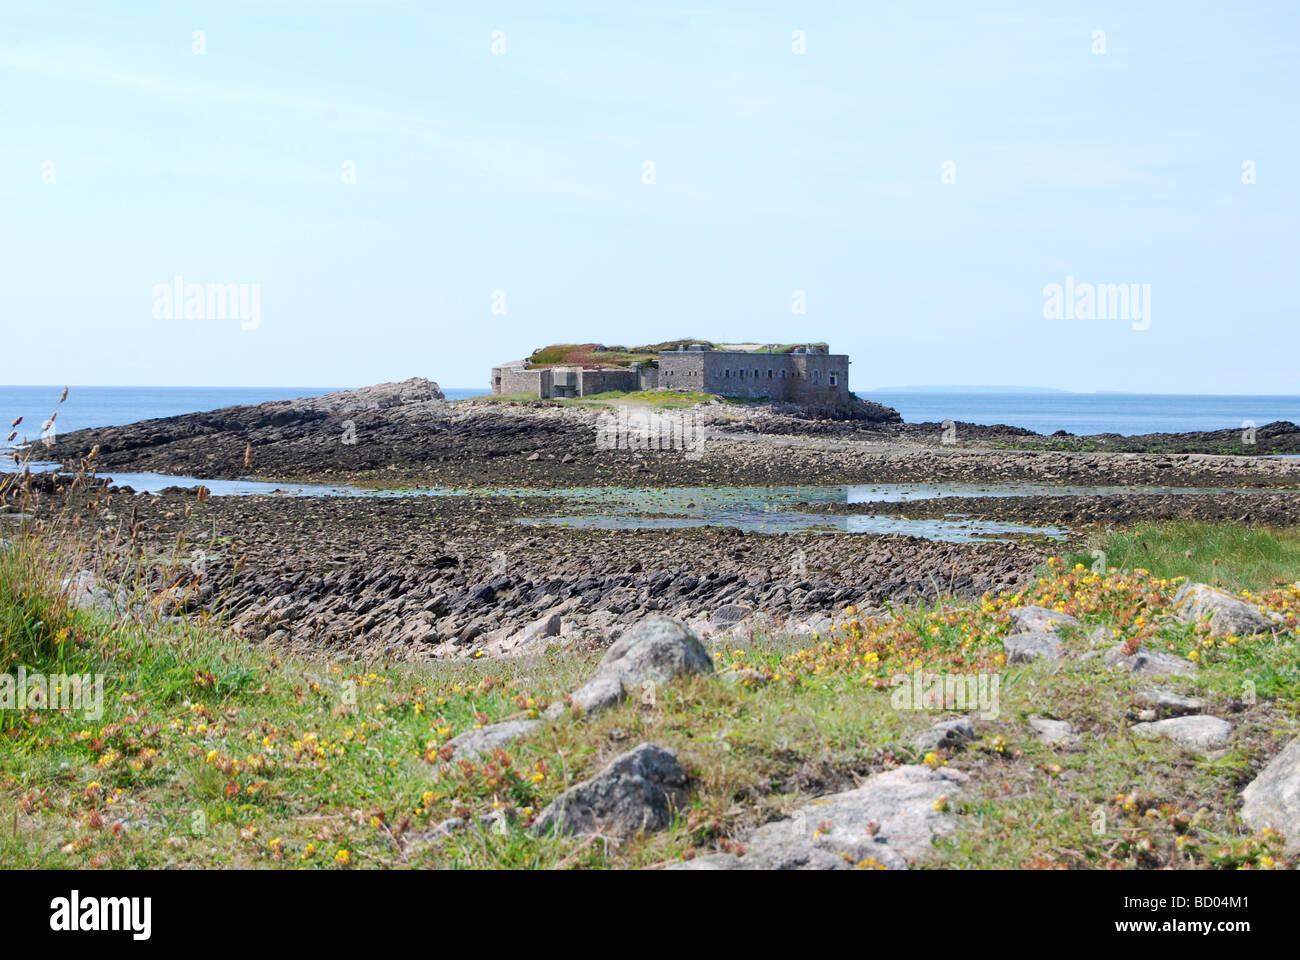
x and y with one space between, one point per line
641 790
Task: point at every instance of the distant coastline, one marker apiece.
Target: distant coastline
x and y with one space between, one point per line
1007 391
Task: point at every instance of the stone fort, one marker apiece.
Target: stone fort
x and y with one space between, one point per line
807 373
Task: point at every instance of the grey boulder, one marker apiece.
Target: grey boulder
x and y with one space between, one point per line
85 592
1199 602
1199 732
474 743
639 790
1162 701
1149 663
1034 618
1036 645
1273 798
1054 731
654 651
890 820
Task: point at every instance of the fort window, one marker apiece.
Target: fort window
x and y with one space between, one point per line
835 380
814 376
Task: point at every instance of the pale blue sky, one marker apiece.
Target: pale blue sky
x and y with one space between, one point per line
522 172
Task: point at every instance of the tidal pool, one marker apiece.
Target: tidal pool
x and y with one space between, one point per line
755 509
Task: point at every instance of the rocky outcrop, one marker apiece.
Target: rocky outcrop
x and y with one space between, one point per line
889 821
1038 645
410 433
1272 800
653 652
448 577
1201 603
641 790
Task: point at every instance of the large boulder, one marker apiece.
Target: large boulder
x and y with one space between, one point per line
639 790
653 651
1273 798
1034 618
1198 732
1199 602
1035 645
889 821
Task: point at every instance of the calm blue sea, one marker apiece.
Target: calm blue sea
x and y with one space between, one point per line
1078 413
1089 413
110 406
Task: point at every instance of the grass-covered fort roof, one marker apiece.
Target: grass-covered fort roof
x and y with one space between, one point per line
599 355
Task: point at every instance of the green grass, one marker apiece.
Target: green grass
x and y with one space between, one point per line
663 399
215 753
1236 557
561 354
504 398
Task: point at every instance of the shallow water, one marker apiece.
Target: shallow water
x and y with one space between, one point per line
951 531
756 509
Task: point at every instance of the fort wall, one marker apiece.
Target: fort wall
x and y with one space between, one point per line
813 375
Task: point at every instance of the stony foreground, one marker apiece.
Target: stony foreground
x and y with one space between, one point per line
1088 720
